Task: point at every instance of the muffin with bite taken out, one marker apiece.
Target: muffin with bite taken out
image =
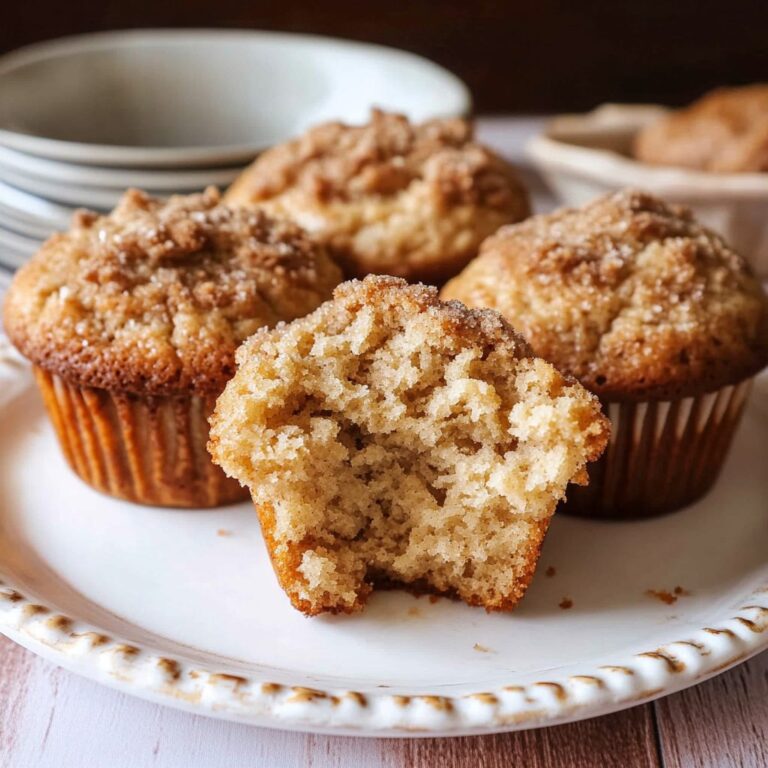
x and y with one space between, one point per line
390 439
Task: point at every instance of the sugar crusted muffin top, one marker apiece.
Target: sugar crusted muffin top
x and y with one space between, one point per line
155 297
391 439
389 196
628 294
724 131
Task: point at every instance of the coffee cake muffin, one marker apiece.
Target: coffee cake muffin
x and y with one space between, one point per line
131 321
725 131
389 197
390 439
650 311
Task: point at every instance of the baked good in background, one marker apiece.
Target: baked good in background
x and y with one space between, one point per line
650 311
132 320
389 197
725 131
390 439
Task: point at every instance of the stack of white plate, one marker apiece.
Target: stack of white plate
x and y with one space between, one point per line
83 118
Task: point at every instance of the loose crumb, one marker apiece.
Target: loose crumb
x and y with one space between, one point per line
566 603
663 595
223 532
551 571
482 648
434 598
414 611
681 591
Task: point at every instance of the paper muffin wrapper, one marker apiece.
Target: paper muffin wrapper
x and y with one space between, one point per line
662 455
150 450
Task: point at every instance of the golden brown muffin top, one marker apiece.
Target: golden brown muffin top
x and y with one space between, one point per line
383 157
389 197
724 131
155 297
631 296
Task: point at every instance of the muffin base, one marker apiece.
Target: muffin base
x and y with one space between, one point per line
148 450
662 455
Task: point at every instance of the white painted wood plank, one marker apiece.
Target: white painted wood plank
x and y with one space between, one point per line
67 720
723 722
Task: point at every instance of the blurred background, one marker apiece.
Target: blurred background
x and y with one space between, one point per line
540 56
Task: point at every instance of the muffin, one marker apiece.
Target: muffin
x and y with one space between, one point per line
389 197
131 321
725 131
390 439
650 311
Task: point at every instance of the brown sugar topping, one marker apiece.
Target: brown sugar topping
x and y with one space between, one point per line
631 296
382 157
389 197
155 297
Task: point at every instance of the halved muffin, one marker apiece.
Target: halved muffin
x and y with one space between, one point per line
389 197
392 439
132 320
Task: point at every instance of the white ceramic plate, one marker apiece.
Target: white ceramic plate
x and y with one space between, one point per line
181 607
113 178
156 98
583 156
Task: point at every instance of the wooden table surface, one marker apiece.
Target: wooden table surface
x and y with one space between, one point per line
50 718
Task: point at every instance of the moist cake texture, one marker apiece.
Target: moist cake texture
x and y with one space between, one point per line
389 197
154 298
629 295
392 439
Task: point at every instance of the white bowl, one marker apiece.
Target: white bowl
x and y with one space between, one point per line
583 156
202 97
34 209
16 249
21 226
98 198
21 163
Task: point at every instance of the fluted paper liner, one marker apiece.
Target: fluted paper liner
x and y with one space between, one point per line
662 455
151 450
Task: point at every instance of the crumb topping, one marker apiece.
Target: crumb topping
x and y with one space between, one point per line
389 196
155 297
628 294
383 157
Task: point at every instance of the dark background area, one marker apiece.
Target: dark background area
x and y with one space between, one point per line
516 56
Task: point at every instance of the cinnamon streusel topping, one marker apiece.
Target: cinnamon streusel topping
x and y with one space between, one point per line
389 196
155 297
631 296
